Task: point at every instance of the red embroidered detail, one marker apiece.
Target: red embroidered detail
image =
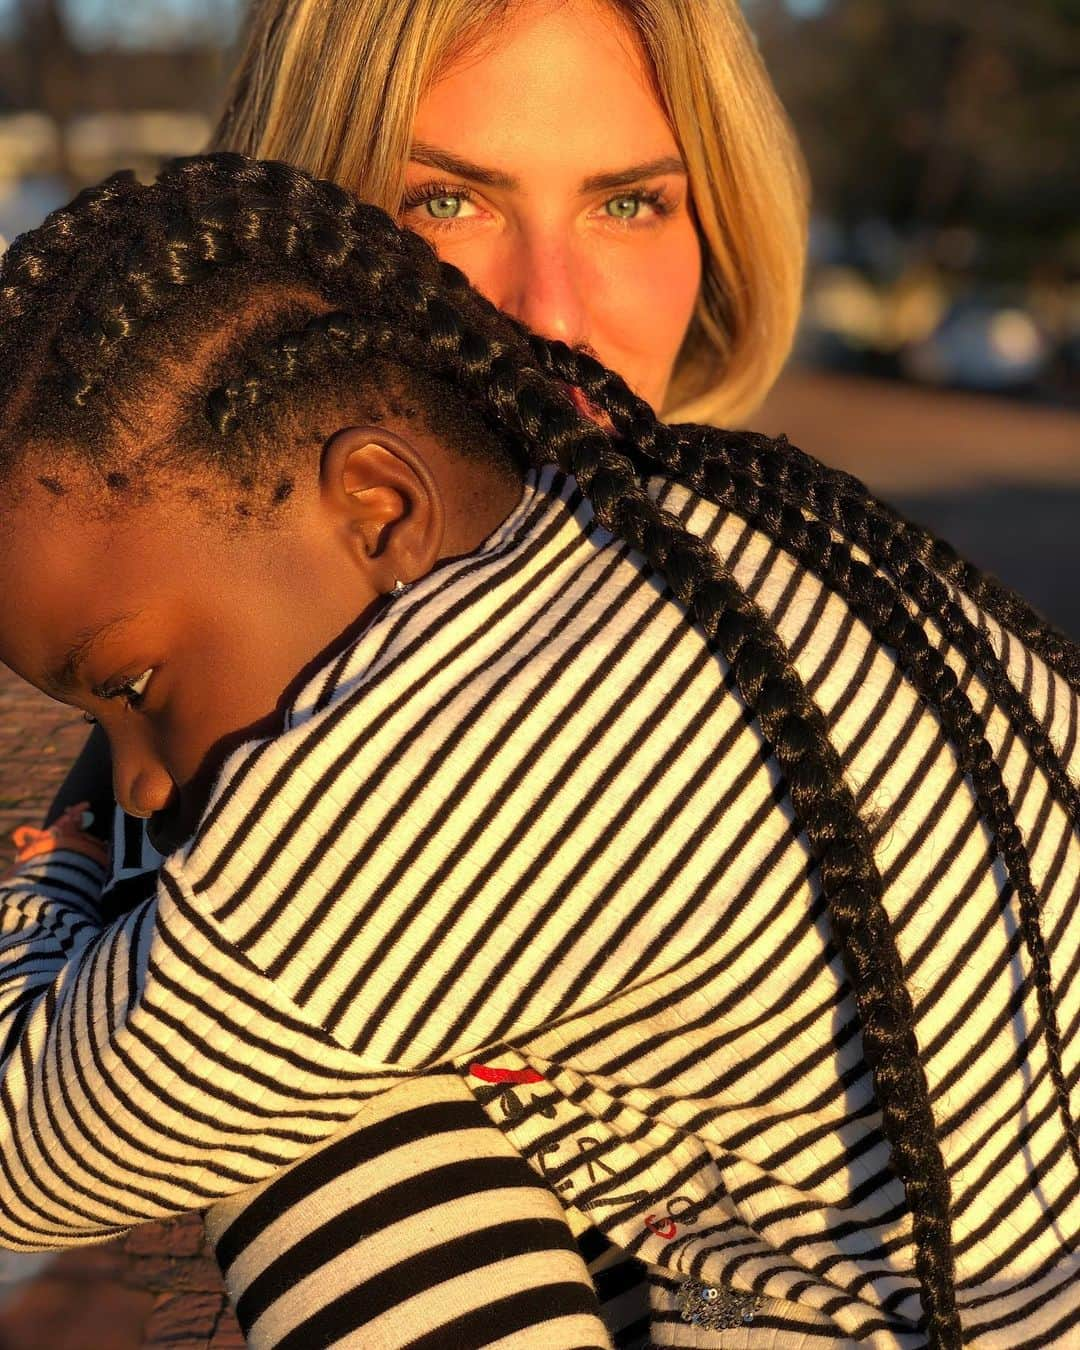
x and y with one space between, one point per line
491 1074
663 1229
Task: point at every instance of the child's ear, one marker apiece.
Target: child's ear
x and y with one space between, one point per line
382 485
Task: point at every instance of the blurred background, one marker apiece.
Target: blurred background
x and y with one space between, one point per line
939 356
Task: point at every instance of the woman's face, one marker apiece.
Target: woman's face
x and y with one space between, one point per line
544 167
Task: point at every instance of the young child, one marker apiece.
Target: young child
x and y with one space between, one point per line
710 826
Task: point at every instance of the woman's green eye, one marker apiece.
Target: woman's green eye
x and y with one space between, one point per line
623 208
445 207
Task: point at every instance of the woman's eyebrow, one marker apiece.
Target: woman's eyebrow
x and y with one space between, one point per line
652 168
436 158
66 676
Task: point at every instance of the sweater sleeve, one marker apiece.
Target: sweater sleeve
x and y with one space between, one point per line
418 1224
131 1091
146 1069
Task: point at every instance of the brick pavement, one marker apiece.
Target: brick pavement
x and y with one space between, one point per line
38 741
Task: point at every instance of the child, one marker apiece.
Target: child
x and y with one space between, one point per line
712 827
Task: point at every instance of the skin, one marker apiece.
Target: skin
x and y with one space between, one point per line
529 171
226 623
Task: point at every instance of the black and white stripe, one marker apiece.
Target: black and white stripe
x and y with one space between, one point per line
528 825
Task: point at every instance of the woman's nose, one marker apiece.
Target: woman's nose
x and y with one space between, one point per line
544 288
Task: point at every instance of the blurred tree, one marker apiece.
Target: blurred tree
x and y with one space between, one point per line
52 69
937 112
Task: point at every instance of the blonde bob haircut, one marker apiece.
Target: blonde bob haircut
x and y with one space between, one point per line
332 86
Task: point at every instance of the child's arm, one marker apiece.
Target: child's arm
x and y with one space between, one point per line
462 1235
418 1221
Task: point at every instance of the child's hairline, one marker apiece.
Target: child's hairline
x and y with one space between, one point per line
127 472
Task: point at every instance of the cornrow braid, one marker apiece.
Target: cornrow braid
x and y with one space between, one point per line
915 556
35 261
766 481
880 604
744 472
223 225
932 676
836 496
289 357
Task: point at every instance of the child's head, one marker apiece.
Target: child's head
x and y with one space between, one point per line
204 628
195 442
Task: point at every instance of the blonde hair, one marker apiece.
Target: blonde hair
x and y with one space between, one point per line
333 86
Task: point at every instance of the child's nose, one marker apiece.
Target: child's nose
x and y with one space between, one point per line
142 787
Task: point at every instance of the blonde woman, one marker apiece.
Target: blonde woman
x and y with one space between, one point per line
566 98
620 176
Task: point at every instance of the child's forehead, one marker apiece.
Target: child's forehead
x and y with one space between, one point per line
52 558
65 554
118 490
58 510
58 483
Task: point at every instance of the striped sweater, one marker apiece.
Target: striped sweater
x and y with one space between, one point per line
524 837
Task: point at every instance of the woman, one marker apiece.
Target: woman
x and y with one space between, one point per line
552 94
585 164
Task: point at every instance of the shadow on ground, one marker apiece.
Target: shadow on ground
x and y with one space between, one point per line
1028 536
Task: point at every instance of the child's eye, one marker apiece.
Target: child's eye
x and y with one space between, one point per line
131 691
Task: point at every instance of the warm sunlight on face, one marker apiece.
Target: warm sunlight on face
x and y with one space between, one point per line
180 639
185 625
544 167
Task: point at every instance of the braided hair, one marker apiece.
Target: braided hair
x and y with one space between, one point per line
86 305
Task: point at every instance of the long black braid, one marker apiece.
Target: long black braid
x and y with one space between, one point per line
79 293
758 478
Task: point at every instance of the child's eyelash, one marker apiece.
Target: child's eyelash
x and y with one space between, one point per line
129 690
